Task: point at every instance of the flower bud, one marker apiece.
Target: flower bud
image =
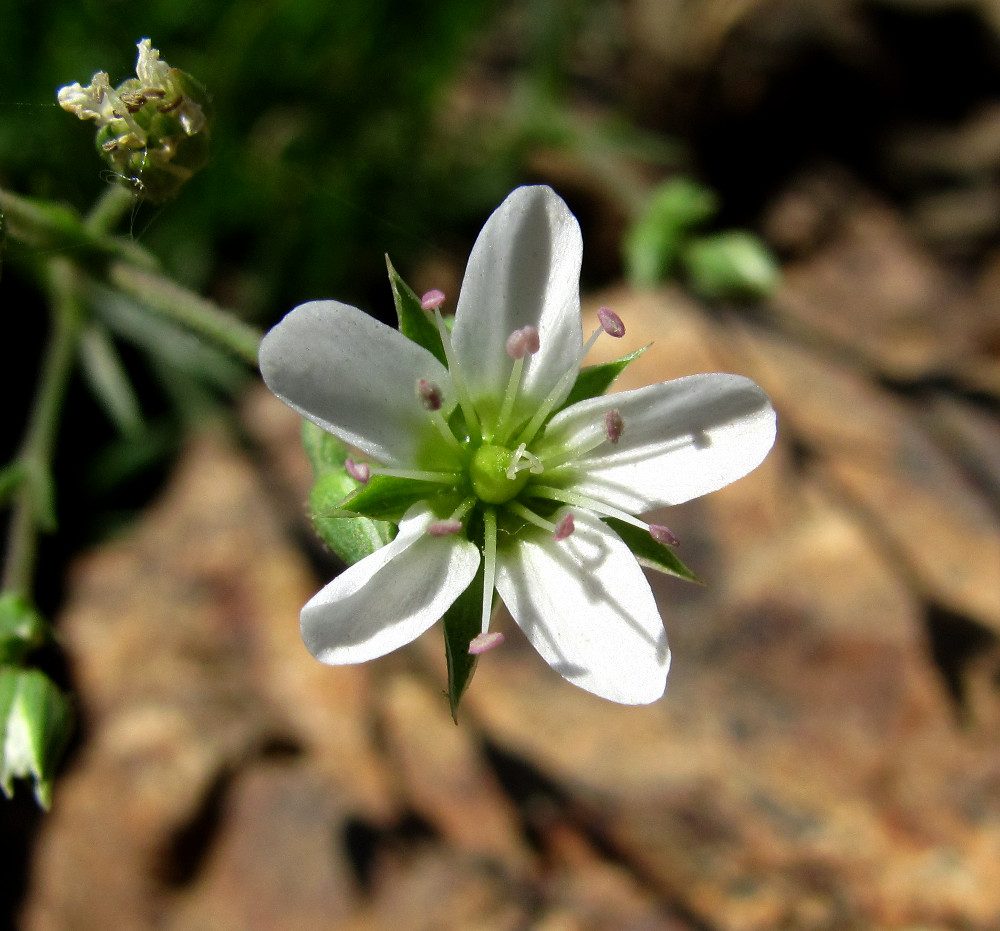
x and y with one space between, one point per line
152 129
35 723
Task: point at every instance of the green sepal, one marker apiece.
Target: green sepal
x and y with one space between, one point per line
415 323
351 538
462 621
36 719
648 552
594 380
22 629
385 497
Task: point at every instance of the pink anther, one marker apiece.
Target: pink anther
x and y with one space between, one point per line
611 323
564 528
613 425
359 471
432 299
483 642
429 394
663 534
523 342
444 528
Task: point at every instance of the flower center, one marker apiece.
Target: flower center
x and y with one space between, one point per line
489 472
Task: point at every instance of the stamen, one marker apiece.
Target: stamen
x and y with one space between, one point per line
585 501
557 393
419 475
429 394
444 528
489 564
432 300
611 323
520 343
614 425
531 517
359 471
523 342
464 399
663 535
564 528
485 641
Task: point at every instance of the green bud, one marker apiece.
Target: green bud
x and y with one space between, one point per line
22 629
152 129
733 264
654 241
35 724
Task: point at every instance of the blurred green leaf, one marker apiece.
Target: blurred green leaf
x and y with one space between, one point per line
653 243
103 368
733 264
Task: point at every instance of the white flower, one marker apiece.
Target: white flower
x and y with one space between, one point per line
511 484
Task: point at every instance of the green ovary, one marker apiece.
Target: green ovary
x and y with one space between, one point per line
488 473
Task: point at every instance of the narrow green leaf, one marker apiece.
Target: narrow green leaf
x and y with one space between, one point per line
12 476
651 554
104 370
594 380
461 623
414 322
351 538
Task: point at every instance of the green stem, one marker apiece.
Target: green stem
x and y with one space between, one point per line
203 317
32 508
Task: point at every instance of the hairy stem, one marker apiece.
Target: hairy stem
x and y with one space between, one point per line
32 507
197 314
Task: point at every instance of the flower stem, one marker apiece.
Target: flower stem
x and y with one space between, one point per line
201 316
32 508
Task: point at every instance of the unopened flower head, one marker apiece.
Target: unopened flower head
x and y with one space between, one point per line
151 129
520 477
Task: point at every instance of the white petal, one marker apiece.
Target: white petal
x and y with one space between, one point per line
356 378
681 439
587 608
392 596
524 269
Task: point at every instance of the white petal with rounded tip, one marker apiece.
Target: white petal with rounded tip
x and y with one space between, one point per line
392 596
681 439
587 608
524 269
355 377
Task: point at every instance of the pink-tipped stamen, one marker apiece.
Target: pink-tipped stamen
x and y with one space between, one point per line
564 528
359 471
523 342
611 323
444 528
485 641
432 299
663 535
430 395
613 425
